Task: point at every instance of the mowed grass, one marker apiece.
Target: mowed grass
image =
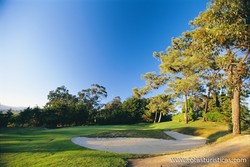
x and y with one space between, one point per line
158 134
52 147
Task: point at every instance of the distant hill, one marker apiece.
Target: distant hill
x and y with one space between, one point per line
13 108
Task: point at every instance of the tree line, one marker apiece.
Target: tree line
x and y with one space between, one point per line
64 109
85 108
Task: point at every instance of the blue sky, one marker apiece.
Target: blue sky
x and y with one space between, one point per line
48 43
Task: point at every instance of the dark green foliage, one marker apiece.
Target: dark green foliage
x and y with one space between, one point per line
216 117
130 111
112 113
64 109
226 107
80 114
29 117
5 118
245 119
135 108
112 117
214 103
194 109
62 104
51 119
220 110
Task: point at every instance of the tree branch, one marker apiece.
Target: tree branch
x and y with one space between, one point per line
245 56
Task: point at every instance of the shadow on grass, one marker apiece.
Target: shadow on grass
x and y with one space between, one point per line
20 140
190 131
42 146
201 131
213 137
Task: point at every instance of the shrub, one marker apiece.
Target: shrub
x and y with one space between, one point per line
180 117
215 116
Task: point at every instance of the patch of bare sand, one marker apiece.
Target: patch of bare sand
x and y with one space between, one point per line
237 147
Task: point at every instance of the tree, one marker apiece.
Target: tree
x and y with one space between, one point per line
135 109
222 27
91 98
153 81
81 114
112 113
51 119
210 75
179 70
161 104
5 118
114 103
63 104
179 64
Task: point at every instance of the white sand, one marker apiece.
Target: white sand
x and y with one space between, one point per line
142 145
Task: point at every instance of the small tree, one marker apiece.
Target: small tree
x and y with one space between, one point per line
160 104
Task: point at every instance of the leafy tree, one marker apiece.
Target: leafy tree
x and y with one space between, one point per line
112 113
24 117
80 114
153 81
245 117
91 98
222 27
218 47
161 104
226 107
37 117
30 117
194 107
215 104
114 104
135 109
210 76
178 64
5 118
131 111
63 104
51 119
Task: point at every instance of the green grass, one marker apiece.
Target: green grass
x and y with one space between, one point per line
157 134
52 147
210 130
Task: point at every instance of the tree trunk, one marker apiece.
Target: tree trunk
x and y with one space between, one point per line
236 112
206 105
159 120
155 116
186 109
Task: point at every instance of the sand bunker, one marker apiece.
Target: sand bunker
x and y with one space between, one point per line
142 145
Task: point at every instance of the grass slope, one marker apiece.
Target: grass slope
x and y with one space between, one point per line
157 134
52 147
